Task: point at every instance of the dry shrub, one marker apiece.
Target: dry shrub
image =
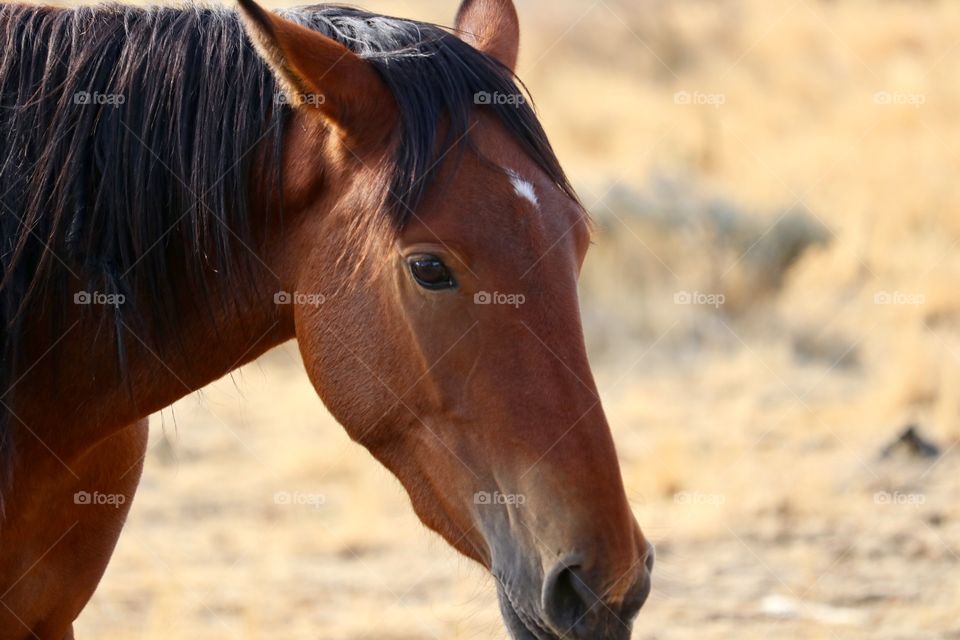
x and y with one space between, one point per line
671 254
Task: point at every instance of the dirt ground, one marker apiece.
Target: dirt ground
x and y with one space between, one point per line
771 299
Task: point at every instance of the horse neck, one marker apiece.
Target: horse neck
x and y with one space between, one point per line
105 379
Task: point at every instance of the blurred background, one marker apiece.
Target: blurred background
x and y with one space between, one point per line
772 312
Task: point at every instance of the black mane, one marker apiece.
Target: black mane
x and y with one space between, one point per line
127 137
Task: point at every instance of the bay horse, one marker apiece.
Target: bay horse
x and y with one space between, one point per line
183 189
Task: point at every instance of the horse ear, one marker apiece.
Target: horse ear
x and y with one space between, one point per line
491 26
318 72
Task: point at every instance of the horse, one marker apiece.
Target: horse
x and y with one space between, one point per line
183 189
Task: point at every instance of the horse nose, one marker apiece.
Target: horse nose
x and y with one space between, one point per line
578 607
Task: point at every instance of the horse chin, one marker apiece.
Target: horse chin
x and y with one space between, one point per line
521 626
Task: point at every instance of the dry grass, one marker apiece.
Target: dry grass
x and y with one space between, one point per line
749 433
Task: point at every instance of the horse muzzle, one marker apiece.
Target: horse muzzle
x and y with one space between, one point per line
573 603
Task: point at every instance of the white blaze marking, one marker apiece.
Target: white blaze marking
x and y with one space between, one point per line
523 188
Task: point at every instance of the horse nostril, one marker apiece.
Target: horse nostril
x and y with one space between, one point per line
651 557
566 598
571 604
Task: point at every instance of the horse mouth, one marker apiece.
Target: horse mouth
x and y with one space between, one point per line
521 625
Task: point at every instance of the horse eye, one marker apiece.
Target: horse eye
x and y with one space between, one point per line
431 273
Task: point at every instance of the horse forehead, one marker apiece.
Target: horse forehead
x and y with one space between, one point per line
542 209
523 188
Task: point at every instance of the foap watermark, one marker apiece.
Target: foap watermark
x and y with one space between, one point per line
897 498
496 298
299 499
697 298
299 99
696 498
100 99
699 98
899 298
897 98
97 499
485 498
297 298
495 98
98 298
